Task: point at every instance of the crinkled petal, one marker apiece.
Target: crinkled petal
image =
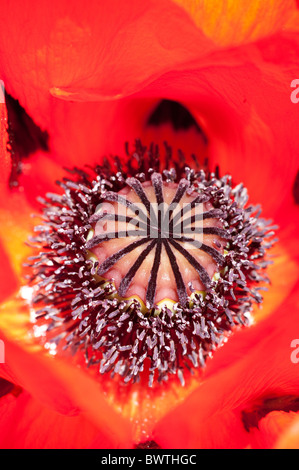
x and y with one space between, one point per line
106 50
239 96
27 424
260 368
241 99
273 430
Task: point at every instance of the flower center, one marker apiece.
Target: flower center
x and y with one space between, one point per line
158 241
153 228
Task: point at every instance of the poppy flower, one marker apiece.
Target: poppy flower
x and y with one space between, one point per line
212 79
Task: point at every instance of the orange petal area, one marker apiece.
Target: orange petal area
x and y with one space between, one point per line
15 227
283 275
56 384
27 424
145 406
8 278
19 207
289 439
229 23
275 430
257 364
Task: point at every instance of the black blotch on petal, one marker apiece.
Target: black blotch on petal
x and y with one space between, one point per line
175 114
147 445
25 137
296 188
7 387
258 410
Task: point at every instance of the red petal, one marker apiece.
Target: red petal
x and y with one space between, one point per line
109 49
254 123
241 99
260 365
26 424
245 124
